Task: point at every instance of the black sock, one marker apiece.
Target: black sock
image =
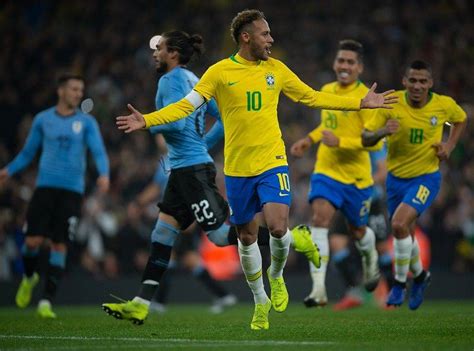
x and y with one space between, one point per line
154 270
421 277
54 275
349 270
387 272
211 283
161 295
30 260
263 236
403 285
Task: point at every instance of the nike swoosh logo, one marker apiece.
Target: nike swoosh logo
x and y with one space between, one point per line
283 194
416 201
232 83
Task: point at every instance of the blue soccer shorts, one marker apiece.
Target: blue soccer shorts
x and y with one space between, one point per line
417 192
353 202
247 195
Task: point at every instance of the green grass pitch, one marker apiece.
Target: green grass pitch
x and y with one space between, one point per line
436 325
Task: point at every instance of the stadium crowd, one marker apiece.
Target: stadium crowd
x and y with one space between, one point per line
41 39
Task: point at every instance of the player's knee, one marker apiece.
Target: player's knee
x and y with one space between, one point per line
319 220
219 236
400 229
277 229
164 233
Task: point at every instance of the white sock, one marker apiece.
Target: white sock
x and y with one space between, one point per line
366 245
251 262
415 262
320 237
279 248
403 249
141 300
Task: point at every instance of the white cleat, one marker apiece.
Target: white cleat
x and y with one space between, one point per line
221 303
371 270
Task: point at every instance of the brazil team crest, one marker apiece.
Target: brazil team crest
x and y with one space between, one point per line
434 120
270 78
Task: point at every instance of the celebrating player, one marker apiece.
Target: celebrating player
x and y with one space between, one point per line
414 130
246 87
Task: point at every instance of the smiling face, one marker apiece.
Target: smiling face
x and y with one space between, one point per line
418 83
347 67
258 39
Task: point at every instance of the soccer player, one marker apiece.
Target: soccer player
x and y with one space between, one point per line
63 133
246 87
414 130
341 178
191 193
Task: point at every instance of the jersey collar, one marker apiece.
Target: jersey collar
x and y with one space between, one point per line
239 59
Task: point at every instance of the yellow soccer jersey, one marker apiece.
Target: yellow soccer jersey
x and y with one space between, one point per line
350 162
247 95
410 150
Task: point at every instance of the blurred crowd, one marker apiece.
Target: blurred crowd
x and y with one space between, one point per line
107 42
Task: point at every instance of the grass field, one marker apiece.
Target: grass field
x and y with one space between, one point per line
436 326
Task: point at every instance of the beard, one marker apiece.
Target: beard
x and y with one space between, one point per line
258 52
162 67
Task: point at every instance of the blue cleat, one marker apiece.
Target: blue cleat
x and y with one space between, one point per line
416 293
396 295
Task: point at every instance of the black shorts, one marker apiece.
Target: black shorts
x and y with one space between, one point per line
53 213
377 221
192 195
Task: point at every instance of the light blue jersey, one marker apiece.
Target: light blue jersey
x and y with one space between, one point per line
64 141
162 174
185 138
375 157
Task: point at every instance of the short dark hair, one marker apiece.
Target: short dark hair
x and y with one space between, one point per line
63 78
186 45
418 65
352 45
242 20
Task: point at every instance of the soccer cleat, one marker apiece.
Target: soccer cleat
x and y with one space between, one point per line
23 295
130 310
279 294
319 299
396 295
303 243
260 316
415 299
222 302
44 310
371 270
347 302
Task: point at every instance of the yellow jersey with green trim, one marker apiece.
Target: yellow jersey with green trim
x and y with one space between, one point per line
410 150
247 95
349 163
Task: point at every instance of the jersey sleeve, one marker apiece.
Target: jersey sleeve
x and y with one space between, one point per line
455 113
376 121
214 135
315 135
300 92
29 150
96 145
209 82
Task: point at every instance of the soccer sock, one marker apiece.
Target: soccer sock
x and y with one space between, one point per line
30 259
251 261
345 263
318 275
415 262
385 265
263 236
54 273
366 245
161 296
203 275
403 248
279 249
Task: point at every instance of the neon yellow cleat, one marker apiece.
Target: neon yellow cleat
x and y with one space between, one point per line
23 295
131 310
279 294
303 243
260 316
44 310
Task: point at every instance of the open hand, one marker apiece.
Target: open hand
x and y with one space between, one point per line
131 122
378 100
